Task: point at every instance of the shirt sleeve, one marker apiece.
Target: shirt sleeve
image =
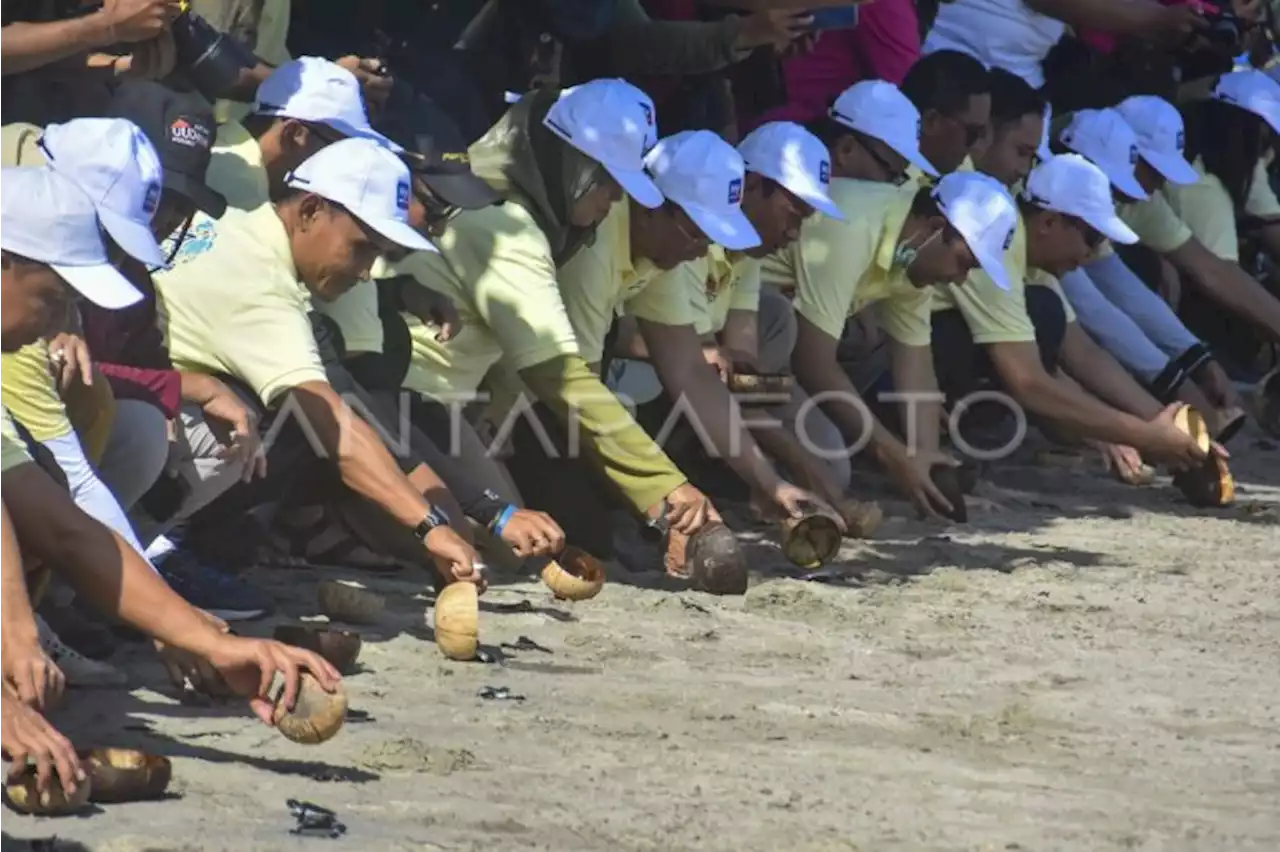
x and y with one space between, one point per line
1044 279
1207 210
833 255
514 289
1157 226
908 317
273 349
665 300
993 314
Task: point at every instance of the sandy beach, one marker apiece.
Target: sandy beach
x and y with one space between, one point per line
1084 666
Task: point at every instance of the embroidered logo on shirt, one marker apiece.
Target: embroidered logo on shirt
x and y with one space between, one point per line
735 191
189 133
402 195
824 172
198 240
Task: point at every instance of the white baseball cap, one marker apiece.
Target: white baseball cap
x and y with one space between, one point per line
982 211
114 163
368 180
785 152
320 91
878 109
1161 136
704 175
1104 138
1044 152
612 122
47 218
1251 90
1070 184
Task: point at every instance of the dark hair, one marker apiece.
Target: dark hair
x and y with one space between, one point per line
945 81
827 129
1012 98
925 206
1229 141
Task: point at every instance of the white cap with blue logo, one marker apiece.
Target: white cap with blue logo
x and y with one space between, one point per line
367 179
114 163
794 158
704 174
317 90
983 212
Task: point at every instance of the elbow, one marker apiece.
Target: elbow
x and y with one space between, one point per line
1021 380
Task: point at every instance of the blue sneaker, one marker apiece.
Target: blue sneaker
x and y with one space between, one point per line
213 591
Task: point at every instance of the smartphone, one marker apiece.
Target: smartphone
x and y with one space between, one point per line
835 18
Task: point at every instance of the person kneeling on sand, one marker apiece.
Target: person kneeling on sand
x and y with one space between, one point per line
50 247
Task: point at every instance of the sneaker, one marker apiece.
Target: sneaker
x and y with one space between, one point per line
213 591
82 631
78 669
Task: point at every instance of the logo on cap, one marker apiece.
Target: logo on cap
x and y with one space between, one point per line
824 172
735 191
1133 155
191 134
455 157
648 113
1008 240
151 201
402 195
1182 140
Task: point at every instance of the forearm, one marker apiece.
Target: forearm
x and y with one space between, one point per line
198 388
1069 406
829 385
631 460
1126 17
25 46
913 376
1226 283
741 336
19 621
1097 371
644 46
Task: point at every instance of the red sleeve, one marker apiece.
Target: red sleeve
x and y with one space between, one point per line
887 39
161 388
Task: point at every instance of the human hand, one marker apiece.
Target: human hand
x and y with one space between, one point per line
248 667
70 360
28 736
433 308
795 502
137 20
455 559
150 60
1124 462
1173 25
775 28
34 678
688 510
533 533
237 430
718 359
184 667
1166 443
911 473
373 77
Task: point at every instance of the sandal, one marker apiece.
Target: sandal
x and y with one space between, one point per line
308 538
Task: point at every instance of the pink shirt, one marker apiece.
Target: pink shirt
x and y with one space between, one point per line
884 44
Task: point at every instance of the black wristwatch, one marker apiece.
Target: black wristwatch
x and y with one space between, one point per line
435 518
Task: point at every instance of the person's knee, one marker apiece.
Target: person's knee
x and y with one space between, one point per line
1044 307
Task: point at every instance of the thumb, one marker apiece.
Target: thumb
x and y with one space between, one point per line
262 708
1171 409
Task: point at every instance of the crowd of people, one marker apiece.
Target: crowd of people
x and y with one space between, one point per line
459 296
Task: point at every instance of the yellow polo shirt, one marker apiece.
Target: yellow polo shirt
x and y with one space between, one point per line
1209 212
13 451
719 282
497 267
603 280
840 268
236 306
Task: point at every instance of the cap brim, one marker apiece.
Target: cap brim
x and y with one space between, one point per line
993 266
205 199
1112 227
101 284
914 157
638 185
135 239
732 229
351 131
462 189
1174 168
399 233
1127 183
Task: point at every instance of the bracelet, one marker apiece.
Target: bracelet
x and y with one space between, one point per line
500 522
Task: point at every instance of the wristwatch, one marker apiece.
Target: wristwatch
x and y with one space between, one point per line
435 518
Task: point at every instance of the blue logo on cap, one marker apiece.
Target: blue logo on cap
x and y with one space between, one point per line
648 113
151 201
824 172
735 191
402 195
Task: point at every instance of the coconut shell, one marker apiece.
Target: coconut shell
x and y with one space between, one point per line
1209 485
457 621
1266 399
762 388
947 480
812 541
340 647
316 715
125 774
860 519
352 604
23 797
1189 420
715 562
575 576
